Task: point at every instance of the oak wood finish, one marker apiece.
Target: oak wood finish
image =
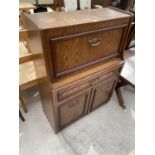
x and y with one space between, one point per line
26 6
67 59
75 55
58 20
88 74
102 92
61 38
86 85
24 59
23 7
73 109
23 37
27 75
68 92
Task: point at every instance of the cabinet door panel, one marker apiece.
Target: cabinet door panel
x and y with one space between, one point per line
102 93
75 52
73 109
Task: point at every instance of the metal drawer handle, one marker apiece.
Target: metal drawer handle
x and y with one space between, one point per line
94 42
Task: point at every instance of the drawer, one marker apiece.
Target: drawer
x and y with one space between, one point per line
63 94
78 51
72 110
72 90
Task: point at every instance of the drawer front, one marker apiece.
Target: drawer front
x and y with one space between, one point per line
72 110
75 52
102 93
71 91
63 94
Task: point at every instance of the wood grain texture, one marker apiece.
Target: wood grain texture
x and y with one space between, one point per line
72 53
102 93
63 19
103 85
23 37
88 74
61 42
41 72
23 51
65 93
72 110
27 75
24 54
66 46
26 6
75 31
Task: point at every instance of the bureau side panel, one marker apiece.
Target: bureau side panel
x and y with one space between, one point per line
35 41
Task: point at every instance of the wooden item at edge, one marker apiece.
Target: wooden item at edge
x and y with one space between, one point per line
23 103
21 116
76 93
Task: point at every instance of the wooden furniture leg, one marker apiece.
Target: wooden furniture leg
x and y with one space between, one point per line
120 97
21 116
23 103
122 82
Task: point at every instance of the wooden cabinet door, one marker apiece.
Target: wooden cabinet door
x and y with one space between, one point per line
75 52
102 93
73 109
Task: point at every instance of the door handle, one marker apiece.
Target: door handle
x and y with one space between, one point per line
94 42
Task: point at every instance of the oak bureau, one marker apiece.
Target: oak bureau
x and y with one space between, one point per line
78 57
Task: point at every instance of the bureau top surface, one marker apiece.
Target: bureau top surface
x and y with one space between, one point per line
70 18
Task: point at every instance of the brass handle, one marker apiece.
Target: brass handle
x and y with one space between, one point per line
94 42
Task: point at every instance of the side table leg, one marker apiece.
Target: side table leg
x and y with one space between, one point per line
120 97
21 116
23 103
